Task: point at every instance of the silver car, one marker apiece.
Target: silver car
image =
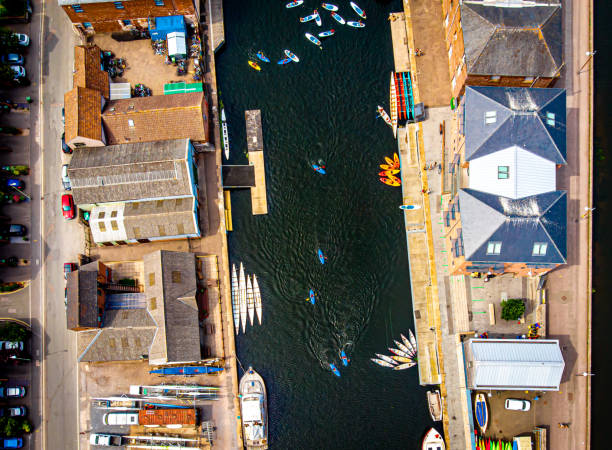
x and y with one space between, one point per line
65 178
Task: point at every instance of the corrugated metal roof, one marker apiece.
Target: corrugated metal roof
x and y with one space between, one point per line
514 364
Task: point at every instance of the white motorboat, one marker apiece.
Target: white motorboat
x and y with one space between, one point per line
433 440
254 409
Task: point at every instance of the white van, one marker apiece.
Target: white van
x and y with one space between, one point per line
120 418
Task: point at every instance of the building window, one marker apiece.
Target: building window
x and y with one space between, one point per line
176 276
101 215
503 172
119 5
495 79
102 227
77 8
550 119
159 2
490 117
152 279
494 248
539 248
153 303
114 225
127 22
113 213
528 80
452 212
130 123
447 218
89 27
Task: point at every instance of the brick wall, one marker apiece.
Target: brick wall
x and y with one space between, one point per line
107 17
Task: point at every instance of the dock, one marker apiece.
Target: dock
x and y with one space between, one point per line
259 201
217 26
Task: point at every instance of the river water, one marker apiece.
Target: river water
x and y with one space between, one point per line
322 108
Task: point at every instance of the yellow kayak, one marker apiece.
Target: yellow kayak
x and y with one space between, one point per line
254 65
401 359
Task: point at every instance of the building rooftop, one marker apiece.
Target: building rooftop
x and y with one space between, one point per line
88 71
82 114
82 302
524 41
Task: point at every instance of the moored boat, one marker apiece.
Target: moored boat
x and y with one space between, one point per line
433 441
257 294
354 24
410 207
386 358
403 348
481 412
263 57
405 366
399 352
318 18
391 181
250 300
393 103
338 18
410 333
243 298
402 359
324 34
434 402
254 410
380 362
313 39
408 344
329 6
308 18
225 134
186 370
386 173
292 56
235 300
294 4
358 10
382 113
254 65
334 370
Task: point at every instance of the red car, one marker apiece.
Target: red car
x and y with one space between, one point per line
68 206
69 267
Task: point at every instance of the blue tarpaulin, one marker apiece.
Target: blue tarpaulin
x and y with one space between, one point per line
159 27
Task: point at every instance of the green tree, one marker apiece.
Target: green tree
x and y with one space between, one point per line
14 426
512 309
12 331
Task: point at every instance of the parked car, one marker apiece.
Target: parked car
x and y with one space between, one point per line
13 411
69 267
18 71
65 147
65 179
15 183
68 207
12 58
12 392
11 345
14 230
22 39
11 442
517 404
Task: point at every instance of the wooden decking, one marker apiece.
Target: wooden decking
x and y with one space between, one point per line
259 201
401 53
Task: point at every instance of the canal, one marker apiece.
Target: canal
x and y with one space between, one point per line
323 108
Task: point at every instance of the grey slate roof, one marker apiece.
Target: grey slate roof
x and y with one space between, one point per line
171 217
522 120
130 172
524 42
517 224
514 364
82 303
123 318
119 344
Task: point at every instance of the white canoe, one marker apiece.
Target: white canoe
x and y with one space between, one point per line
393 103
402 359
225 134
408 344
412 340
380 362
405 366
235 299
257 294
386 358
243 298
399 352
250 300
433 440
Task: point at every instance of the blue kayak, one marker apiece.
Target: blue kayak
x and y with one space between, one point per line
334 370
345 359
186 370
284 61
311 295
262 57
320 169
322 257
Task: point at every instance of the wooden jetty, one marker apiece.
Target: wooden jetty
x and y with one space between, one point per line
259 201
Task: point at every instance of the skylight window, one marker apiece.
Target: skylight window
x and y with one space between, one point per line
539 248
490 117
494 248
503 172
550 119
130 122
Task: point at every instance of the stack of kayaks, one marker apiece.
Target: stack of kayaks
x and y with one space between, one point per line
483 443
403 357
390 169
246 299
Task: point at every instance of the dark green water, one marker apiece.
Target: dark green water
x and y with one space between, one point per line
323 107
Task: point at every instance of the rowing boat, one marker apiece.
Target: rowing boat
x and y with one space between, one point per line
263 57
257 294
312 296
318 18
382 113
292 56
308 18
405 366
380 362
338 18
324 34
433 441
250 300
225 134
386 358
329 6
408 344
358 10
403 348
235 300
313 39
353 24
284 61
399 352
434 402
254 65
294 4
321 256
334 369
393 103
243 298
481 412
402 359
413 340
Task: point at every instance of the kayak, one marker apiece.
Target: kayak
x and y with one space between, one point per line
385 173
412 339
338 18
291 56
284 61
403 348
358 10
399 352
329 6
402 359
318 18
481 412
355 24
320 169
345 359
321 256
312 297
294 4
388 166
382 113
380 362
334 370
186 370
390 182
390 162
262 57
250 300
396 160
257 294
235 300
410 207
308 18
313 39
328 33
405 366
393 178
409 346
254 65
386 358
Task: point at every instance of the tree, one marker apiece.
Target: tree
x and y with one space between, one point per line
512 309
12 331
14 426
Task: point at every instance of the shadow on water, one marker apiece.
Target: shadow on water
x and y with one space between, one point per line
322 108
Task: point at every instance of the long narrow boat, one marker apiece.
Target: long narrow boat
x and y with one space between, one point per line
262 56
294 4
329 6
406 104
311 296
225 134
382 113
292 56
235 299
338 18
254 410
243 298
481 412
284 61
313 39
434 402
354 24
402 359
413 340
404 348
334 370
408 344
308 18
257 294
186 370
386 358
328 33
254 65
408 88
399 352
405 366
358 10
318 18
380 362
250 300
393 103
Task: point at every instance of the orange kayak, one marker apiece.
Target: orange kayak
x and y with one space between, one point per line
254 65
387 167
389 161
390 182
386 173
396 160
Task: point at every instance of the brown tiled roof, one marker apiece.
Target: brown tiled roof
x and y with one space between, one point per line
159 218
156 118
87 70
82 301
82 114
